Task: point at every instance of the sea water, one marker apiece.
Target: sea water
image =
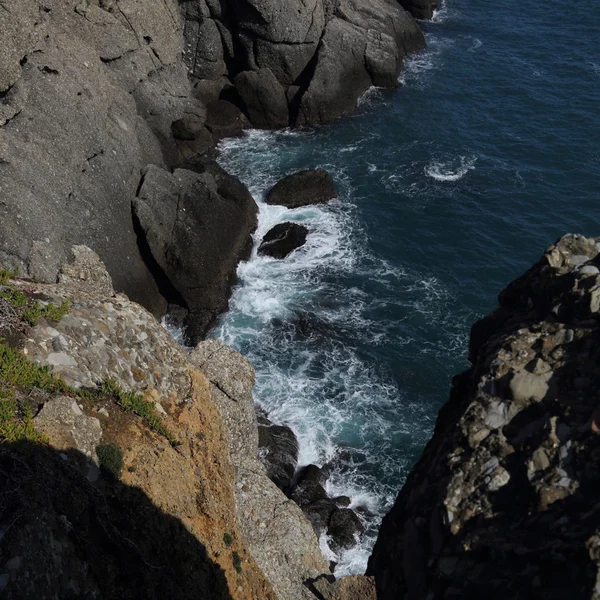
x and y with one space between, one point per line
449 188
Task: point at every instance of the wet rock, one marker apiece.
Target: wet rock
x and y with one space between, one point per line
420 9
282 240
196 228
278 450
302 189
308 486
343 526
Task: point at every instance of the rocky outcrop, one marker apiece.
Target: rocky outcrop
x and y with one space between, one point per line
229 531
278 451
279 537
162 524
282 240
503 502
196 228
313 186
297 63
89 93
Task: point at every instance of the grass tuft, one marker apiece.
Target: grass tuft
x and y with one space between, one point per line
135 403
7 274
237 561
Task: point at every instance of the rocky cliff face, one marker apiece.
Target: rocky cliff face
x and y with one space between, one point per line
180 507
101 99
503 503
296 63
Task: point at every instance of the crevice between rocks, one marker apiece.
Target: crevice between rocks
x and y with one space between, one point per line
165 286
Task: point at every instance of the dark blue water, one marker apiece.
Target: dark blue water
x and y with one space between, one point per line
449 188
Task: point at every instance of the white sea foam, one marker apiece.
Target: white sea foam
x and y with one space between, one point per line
304 329
477 43
452 170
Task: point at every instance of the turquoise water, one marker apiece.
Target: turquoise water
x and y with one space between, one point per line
450 187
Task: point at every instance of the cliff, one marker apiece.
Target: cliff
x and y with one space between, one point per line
106 105
503 503
130 468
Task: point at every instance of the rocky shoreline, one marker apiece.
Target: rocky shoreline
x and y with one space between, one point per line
119 444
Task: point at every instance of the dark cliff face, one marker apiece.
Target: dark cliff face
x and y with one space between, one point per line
504 502
94 92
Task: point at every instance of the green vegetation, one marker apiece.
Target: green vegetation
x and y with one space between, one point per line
6 274
28 310
110 458
16 421
227 539
17 372
237 561
34 311
135 403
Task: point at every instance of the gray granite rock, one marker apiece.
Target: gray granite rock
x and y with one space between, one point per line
278 535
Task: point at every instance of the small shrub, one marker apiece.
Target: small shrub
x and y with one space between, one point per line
237 561
110 458
16 298
227 539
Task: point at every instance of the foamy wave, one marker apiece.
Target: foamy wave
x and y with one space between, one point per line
477 43
450 170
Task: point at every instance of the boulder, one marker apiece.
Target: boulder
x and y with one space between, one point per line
302 189
342 528
278 451
263 99
282 240
195 228
308 485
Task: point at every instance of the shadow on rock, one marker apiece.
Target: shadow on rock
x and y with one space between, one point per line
64 537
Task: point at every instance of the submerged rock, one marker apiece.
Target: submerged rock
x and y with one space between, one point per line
283 239
500 504
303 189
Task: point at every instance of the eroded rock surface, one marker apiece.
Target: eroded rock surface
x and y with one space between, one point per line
313 186
503 502
90 91
279 537
298 63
